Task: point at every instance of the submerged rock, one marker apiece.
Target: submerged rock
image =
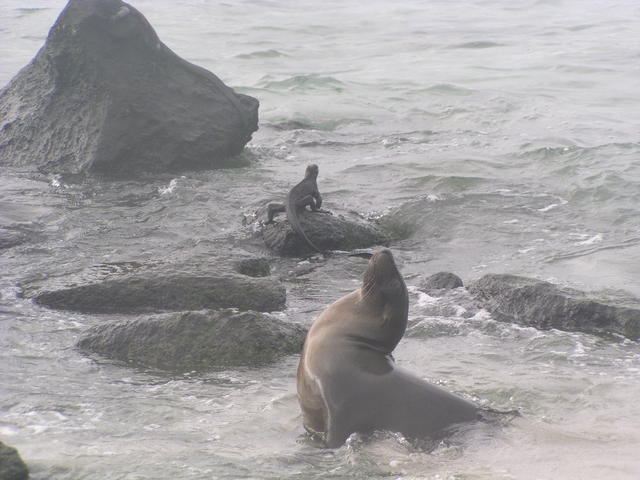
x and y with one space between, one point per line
11 465
105 95
152 293
196 341
440 281
327 232
540 304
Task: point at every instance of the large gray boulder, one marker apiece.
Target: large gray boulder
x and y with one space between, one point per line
196 341
11 465
540 304
151 292
105 95
327 232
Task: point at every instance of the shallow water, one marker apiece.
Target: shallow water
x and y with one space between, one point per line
502 135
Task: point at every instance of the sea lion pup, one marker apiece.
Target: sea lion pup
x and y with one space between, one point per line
303 194
347 380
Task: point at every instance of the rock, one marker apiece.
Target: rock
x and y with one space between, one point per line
540 304
440 281
327 232
196 341
152 293
254 267
105 95
11 465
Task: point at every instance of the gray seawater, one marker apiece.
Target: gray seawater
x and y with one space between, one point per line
504 136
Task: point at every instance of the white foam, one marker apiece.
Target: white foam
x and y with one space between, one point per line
482 314
8 430
424 299
548 207
460 310
579 350
38 429
169 188
591 240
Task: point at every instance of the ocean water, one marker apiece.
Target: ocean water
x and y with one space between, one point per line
492 136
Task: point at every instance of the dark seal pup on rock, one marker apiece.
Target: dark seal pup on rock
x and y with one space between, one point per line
347 380
300 196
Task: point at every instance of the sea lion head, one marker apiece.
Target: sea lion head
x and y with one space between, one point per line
383 288
311 171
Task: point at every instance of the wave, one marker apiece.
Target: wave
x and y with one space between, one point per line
30 10
582 69
478 44
566 148
320 124
436 183
310 81
592 247
271 53
393 140
445 89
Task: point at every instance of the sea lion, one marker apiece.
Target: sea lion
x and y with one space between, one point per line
302 194
347 380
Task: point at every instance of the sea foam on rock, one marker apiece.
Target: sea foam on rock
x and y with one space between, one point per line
541 304
152 292
105 95
196 341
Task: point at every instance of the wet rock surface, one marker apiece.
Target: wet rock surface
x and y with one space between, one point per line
440 281
540 304
142 293
11 465
326 231
105 95
196 341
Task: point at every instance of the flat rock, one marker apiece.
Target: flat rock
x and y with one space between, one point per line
141 293
540 304
11 465
327 232
105 95
196 341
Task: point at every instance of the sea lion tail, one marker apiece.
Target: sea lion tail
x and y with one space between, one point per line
311 244
295 223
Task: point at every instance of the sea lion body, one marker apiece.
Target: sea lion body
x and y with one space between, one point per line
347 379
